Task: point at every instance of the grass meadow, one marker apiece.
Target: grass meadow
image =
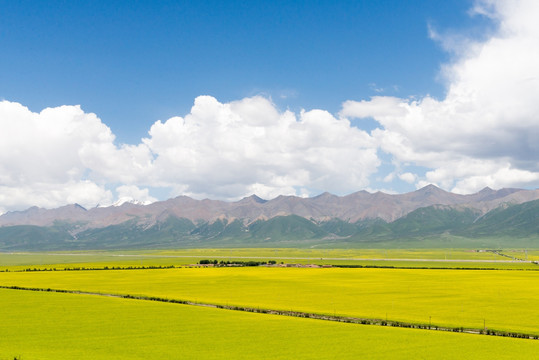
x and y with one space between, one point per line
42 325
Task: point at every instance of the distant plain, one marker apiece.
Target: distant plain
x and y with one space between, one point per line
180 257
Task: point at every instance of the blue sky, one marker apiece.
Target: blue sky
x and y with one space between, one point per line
134 63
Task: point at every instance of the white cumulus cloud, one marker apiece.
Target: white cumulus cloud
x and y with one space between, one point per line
39 156
486 129
229 150
408 177
219 150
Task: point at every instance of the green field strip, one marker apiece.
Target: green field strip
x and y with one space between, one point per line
412 264
325 317
363 254
444 258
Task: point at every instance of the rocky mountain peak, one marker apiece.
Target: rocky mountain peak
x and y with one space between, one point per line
358 206
253 199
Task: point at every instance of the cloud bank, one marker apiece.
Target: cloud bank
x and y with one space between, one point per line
484 132
218 150
40 162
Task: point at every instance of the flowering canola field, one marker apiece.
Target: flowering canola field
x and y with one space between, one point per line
43 325
496 299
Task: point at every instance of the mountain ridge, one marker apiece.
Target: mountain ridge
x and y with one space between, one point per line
508 226
354 207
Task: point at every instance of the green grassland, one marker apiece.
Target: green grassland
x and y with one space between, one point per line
500 300
42 325
465 254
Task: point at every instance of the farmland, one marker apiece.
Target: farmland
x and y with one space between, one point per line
65 326
106 327
504 300
452 258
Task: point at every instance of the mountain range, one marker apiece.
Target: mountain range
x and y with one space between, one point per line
428 217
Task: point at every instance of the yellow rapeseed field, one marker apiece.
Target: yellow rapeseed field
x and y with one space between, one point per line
53 326
496 299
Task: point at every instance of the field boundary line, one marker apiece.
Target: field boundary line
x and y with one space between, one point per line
289 257
315 316
351 266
